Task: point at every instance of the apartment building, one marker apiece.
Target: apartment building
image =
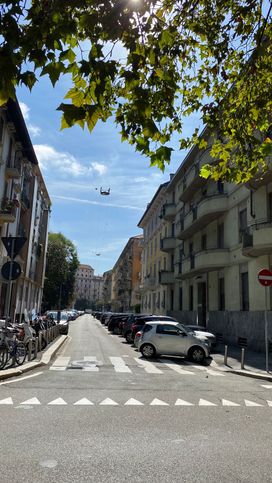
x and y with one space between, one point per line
83 282
107 283
24 212
158 224
126 277
97 284
220 239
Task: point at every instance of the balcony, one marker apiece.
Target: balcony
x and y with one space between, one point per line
8 210
191 184
178 270
168 244
166 277
149 282
205 261
168 211
208 209
13 169
257 239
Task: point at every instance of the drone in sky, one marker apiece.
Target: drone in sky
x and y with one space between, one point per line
104 192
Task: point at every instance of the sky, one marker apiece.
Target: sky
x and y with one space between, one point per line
75 164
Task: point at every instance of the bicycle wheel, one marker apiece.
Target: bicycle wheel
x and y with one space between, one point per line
20 354
3 357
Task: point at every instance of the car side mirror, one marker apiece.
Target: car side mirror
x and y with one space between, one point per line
182 334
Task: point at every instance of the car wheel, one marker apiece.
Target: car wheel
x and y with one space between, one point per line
196 354
148 350
129 337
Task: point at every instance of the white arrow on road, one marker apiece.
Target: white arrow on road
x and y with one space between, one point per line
8 400
59 402
181 402
204 402
108 402
251 403
225 402
33 400
158 402
133 402
83 402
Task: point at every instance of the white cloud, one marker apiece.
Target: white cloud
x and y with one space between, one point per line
34 130
66 163
25 110
99 168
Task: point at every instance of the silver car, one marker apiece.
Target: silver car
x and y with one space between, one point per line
171 338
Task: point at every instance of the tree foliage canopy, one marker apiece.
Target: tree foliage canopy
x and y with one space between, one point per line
61 266
208 57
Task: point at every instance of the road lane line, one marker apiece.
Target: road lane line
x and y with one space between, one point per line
119 364
176 367
148 366
21 378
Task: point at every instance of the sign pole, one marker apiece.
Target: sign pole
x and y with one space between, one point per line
266 328
9 283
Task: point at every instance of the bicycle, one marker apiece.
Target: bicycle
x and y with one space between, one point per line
11 349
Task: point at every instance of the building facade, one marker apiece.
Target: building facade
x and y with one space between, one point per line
83 282
221 236
24 213
107 283
126 277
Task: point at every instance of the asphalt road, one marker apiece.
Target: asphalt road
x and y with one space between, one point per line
99 413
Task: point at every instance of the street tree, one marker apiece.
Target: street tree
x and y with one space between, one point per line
61 266
211 58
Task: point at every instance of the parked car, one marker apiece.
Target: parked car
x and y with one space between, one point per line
140 322
63 320
115 320
171 338
201 331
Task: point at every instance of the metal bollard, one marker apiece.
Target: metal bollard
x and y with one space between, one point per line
46 336
35 347
40 341
29 349
243 358
226 355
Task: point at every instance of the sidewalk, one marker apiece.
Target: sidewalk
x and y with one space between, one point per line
254 364
42 359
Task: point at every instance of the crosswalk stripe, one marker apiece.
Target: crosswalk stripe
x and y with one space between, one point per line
148 366
267 386
119 364
269 403
60 364
176 367
209 371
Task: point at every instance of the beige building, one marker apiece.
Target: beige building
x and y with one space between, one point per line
24 213
220 239
126 277
83 282
107 282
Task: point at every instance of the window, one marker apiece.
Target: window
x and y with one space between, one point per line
242 223
204 242
167 330
221 294
180 298
220 236
147 328
245 291
1 128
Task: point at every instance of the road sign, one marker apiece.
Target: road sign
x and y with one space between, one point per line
265 277
18 243
12 268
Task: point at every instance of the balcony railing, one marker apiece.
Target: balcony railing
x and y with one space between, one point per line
205 261
168 211
8 210
166 277
257 238
168 244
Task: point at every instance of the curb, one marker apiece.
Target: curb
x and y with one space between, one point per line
29 366
255 375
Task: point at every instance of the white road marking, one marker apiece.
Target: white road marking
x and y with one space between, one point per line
119 364
181 402
60 364
158 402
133 402
251 403
58 402
33 400
91 368
108 402
204 402
148 366
21 378
83 402
7 400
269 403
176 367
267 386
226 402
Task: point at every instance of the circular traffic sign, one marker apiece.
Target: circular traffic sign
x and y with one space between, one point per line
265 277
15 270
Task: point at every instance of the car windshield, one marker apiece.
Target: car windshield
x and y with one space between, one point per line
184 328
